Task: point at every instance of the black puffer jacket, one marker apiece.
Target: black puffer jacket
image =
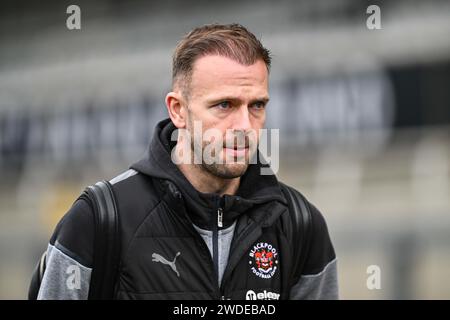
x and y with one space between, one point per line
164 256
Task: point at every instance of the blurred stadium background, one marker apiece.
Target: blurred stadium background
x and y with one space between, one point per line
363 115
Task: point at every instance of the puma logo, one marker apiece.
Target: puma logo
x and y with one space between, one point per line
158 258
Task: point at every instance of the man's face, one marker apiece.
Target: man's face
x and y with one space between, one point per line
231 98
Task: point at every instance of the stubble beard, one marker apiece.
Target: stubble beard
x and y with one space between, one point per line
225 170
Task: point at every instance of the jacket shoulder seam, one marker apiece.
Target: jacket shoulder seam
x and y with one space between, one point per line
321 272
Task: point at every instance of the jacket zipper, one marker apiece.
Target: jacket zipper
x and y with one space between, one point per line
219 225
220 217
214 259
205 248
217 222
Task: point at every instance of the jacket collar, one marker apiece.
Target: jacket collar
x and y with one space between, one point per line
254 190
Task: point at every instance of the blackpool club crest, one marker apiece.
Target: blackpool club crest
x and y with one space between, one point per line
263 260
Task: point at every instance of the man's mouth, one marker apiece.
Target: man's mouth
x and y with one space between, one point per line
236 151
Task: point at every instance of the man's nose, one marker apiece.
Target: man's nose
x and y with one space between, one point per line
241 121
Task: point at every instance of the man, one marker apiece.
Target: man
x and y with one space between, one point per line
192 228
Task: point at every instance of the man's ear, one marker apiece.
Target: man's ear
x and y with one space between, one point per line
176 108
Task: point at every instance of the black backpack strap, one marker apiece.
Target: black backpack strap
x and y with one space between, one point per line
106 243
302 229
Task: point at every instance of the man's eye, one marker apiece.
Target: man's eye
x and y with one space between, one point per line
259 105
224 105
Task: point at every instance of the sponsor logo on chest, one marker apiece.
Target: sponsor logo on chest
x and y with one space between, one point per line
265 295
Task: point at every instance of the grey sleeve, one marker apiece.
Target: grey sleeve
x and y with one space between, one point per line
64 277
70 256
320 286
